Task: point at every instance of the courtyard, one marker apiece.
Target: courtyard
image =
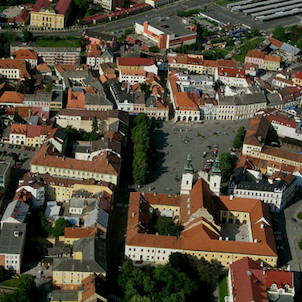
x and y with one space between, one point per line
173 142
236 232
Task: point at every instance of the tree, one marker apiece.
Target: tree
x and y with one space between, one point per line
95 126
140 135
166 226
27 35
4 274
48 86
154 49
82 5
255 31
279 33
226 165
238 139
59 227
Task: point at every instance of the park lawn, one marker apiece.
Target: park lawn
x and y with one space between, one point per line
60 42
13 282
300 215
223 289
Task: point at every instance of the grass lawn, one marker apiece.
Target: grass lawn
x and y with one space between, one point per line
223 289
300 244
300 215
58 42
13 282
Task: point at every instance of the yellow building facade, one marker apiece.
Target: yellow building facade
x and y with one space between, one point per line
46 18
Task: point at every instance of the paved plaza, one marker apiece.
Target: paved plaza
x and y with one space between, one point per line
173 142
236 232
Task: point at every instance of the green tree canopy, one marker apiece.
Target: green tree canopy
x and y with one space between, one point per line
279 33
59 227
226 165
238 139
166 226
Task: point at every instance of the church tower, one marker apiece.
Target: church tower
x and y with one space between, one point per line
215 177
187 177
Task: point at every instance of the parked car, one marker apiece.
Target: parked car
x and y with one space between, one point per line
293 219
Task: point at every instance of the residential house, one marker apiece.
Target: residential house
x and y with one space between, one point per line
15 212
27 55
231 76
89 257
298 79
12 242
14 69
271 62
146 64
190 62
105 167
256 57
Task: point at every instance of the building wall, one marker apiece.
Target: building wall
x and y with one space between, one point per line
17 139
46 20
285 131
58 171
10 73
69 280
252 60
187 116
271 65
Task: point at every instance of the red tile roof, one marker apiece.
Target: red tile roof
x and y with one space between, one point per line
279 277
18 129
41 3
231 72
33 131
255 54
11 97
135 61
62 6
23 16
298 75
248 281
72 232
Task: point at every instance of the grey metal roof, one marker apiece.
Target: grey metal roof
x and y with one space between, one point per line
20 209
98 216
274 99
65 295
93 253
290 49
243 99
59 49
96 99
12 238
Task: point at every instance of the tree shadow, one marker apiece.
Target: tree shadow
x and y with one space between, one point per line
158 143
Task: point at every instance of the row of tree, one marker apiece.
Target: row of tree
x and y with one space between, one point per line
141 135
184 278
238 139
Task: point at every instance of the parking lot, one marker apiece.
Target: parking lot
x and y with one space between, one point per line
173 142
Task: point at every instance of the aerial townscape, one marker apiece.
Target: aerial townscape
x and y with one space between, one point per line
151 151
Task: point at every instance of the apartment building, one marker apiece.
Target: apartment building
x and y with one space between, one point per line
185 109
231 76
146 64
105 167
255 57
12 242
110 120
89 257
45 14
132 76
158 3
271 62
203 234
240 106
27 55
167 32
276 190
190 62
285 123
59 55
